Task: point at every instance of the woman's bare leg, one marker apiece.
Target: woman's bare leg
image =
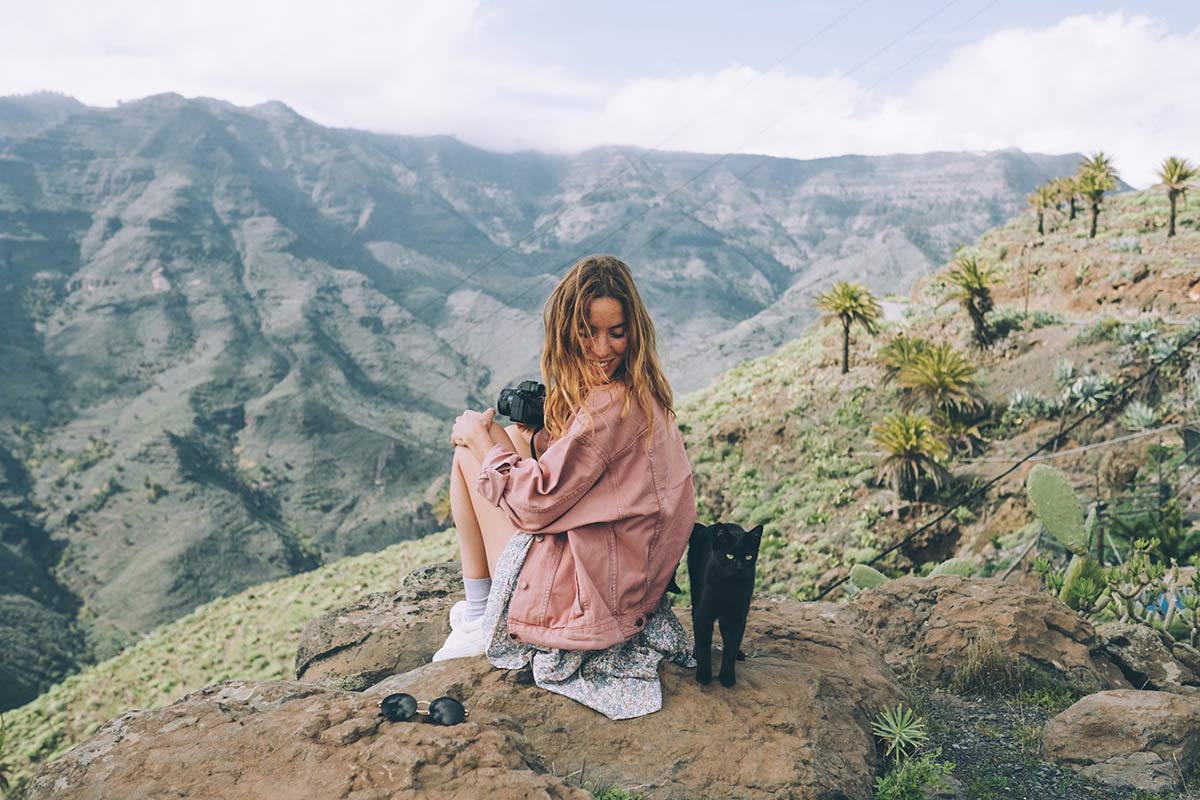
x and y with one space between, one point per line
483 529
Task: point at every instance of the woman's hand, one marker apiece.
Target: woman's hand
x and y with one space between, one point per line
473 430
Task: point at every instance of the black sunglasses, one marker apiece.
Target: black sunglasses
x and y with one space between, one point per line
402 707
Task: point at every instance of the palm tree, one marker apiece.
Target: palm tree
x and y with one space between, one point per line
973 279
944 379
850 303
912 455
1096 176
897 354
1175 174
1041 198
1066 192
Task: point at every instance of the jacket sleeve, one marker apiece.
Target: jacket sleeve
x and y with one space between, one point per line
544 495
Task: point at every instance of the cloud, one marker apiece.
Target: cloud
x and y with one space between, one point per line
1116 82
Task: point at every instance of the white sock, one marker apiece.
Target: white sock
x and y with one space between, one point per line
477 595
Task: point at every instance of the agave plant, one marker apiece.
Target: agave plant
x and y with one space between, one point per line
912 455
900 352
851 303
1024 405
944 379
901 729
972 279
1089 392
1096 176
1064 373
1139 416
1175 174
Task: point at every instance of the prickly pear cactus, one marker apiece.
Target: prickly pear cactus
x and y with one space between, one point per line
1056 506
962 567
866 577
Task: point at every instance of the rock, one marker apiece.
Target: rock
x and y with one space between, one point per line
931 621
944 787
293 740
381 634
797 724
1147 659
1127 737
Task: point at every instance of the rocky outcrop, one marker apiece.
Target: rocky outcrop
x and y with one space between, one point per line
1144 740
1149 660
381 634
290 740
798 725
927 624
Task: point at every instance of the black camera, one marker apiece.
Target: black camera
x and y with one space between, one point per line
524 403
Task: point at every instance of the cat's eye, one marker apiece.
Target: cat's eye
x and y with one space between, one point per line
729 556
749 558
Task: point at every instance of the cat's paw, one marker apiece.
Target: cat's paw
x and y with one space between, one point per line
728 679
703 676
741 656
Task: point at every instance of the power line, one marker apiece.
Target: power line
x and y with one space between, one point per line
1117 398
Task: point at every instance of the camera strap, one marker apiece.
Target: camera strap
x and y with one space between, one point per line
533 440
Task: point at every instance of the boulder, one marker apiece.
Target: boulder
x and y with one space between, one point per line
381 634
1148 659
927 624
291 740
1126 737
796 725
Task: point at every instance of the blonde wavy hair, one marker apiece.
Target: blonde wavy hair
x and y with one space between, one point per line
565 370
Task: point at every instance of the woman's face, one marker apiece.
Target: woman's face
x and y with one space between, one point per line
606 346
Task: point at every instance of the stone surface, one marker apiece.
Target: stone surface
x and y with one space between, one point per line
796 725
382 634
288 740
1148 659
930 622
1126 737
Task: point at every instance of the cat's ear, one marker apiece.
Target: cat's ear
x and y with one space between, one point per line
756 531
697 531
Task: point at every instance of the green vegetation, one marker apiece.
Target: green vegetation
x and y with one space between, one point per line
1095 177
252 635
851 304
1175 174
908 775
912 455
972 279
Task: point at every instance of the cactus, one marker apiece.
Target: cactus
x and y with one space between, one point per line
865 577
1056 506
962 567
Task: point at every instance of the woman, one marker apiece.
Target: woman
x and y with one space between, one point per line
601 516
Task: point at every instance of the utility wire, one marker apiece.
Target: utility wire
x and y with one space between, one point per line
1117 398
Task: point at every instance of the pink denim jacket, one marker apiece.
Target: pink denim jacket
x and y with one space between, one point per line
610 523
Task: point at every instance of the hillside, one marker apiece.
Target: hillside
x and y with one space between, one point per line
234 340
786 440
782 440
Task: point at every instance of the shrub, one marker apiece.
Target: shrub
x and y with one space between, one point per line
1128 244
1041 319
1139 416
1064 373
1089 392
909 779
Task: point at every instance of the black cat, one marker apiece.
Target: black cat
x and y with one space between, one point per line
721 560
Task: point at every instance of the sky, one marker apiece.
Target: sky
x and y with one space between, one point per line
799 79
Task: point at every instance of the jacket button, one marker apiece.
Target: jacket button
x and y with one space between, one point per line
524 584
537 538
639 622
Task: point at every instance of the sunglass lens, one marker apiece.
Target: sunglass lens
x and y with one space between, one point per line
398 707
447 711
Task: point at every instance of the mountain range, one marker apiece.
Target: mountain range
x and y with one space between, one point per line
233 340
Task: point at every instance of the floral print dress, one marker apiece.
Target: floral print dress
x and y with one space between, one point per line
620 682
